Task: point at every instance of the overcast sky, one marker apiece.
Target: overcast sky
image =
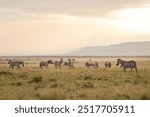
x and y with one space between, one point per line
57 26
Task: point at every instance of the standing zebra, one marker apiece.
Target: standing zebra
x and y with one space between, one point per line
127 64
45 64
90 64
108 65
96 64
58 63
69 63
13 63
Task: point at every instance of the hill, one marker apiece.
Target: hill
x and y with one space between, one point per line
123 49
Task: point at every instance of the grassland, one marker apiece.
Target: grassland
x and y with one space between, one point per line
31 82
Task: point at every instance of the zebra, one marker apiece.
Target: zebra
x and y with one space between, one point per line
89 64
96 65
58 63
45 64
69 63
108 65
127 64
16 63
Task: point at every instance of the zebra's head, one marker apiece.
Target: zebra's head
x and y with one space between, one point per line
50 62
9 62
87 64
22 63
73 60
118 62
61 60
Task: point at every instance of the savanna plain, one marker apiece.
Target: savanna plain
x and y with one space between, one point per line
33 83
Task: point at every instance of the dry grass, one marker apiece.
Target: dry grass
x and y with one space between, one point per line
31 82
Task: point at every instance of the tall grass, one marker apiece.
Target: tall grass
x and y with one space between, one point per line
31 82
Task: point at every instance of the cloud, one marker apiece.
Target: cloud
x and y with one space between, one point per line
62 25
86 8
11 14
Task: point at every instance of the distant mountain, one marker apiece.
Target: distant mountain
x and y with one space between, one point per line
123 49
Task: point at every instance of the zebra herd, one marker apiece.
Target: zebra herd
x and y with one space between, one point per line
70 64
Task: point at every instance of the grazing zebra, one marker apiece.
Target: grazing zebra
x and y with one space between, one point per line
13 63
45 64
58 63
69 63
90 64
127 64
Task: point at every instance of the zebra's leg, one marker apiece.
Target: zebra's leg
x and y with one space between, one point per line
136 69
131 70
124 69
10 66
18 66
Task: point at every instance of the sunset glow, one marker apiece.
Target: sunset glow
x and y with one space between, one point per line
51 27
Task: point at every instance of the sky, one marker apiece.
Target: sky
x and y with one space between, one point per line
43 27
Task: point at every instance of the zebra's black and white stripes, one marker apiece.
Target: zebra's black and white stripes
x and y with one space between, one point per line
90 64
69 63
58 63
45 64
13 63
127 64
